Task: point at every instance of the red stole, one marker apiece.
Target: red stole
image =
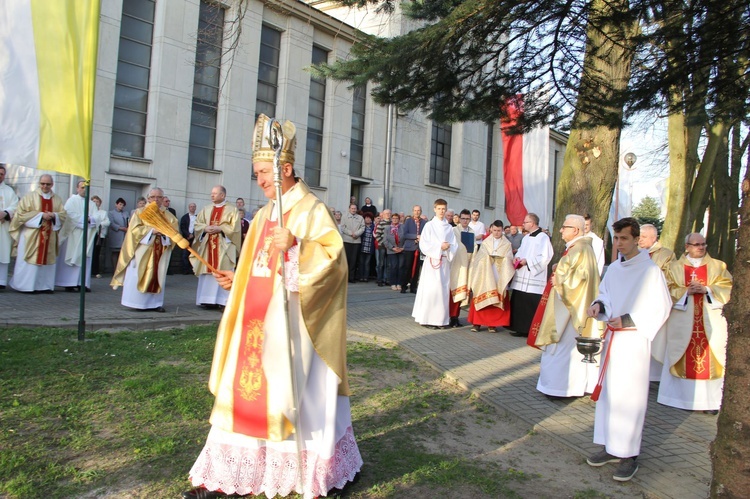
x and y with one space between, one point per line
153 285
250 387
697 358
45 234
536 322
213 239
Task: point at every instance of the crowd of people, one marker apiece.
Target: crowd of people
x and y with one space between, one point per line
659 316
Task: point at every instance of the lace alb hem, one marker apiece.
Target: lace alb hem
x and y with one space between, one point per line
240 470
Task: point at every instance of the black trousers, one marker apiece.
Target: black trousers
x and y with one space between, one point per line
406 276
351 250
522 309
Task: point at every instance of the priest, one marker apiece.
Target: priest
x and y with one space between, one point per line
662 257
575 285
217 233
144 258
530 279
69 264
693 348
35 226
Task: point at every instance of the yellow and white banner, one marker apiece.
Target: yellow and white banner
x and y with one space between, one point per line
48 51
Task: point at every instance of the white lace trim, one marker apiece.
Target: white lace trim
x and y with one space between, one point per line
291 269
239 470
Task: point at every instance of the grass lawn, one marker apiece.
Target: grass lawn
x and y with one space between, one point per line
125 415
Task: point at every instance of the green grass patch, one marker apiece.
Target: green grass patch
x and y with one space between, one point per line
127 413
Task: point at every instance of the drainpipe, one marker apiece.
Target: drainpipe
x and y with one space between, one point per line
388 158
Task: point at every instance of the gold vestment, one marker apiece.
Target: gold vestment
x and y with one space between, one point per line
577 284
489 290
28 207
137 230
679 325
322 292
228 249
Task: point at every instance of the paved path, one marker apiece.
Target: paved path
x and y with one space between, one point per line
501 369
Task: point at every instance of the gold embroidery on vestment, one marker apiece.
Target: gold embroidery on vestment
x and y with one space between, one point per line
251 378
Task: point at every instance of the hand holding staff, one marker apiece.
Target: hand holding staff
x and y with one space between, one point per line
153 217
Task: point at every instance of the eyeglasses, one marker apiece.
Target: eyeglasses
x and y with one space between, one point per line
45 183
697 244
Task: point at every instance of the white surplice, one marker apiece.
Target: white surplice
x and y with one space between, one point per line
431 305
597 244
537 250
68 271
636 287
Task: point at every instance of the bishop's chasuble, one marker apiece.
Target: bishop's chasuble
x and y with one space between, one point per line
250 448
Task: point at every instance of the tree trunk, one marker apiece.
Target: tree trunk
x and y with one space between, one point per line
680 181
730 452
720 207
592 155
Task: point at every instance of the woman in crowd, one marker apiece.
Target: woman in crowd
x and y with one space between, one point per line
394 244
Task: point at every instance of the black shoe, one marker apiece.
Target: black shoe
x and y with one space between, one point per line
518 335
71 289
352 281
475 328
712 412
601 458
161 311
88 290
202 493
2 286
414 291
380 284
457 324
403 290
626 469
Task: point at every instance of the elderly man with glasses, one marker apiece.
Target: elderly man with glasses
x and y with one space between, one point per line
38 219
144 258
575 285
693 348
